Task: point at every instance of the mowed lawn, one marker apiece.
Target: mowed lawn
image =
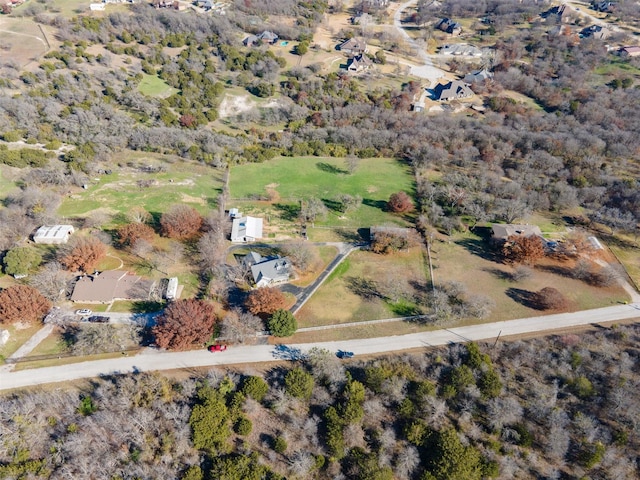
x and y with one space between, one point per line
154 86
287 180
339 301
186 183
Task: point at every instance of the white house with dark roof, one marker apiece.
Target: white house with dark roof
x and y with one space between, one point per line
267 271
359 63
246 229
453 90
53 234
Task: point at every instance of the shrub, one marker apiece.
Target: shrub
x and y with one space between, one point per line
280 445
255 387
282 323
243 426
299 383
400 203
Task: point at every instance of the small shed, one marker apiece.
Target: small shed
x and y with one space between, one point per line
172 289
246 229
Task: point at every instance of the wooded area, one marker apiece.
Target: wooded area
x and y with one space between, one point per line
556 407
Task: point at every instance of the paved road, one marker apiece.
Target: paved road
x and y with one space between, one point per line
152 360
427 70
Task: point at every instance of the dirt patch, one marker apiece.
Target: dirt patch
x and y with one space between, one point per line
21 41
189 199
234 105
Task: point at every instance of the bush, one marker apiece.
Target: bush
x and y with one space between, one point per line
255 387
280 445
243 426
282 323
299 383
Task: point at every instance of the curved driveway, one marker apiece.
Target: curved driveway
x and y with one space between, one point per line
151 360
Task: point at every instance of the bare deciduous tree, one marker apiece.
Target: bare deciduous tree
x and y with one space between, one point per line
240 327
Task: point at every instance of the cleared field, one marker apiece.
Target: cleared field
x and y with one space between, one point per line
17 337
21 40
288 180
359 289
189 183
468 260
153 86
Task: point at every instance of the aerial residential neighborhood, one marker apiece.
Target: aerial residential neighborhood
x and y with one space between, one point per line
364 239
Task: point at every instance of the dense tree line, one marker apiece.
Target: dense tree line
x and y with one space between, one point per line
559 407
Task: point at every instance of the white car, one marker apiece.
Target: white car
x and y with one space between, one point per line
84 312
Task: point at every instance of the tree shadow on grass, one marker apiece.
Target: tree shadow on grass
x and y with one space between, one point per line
379 204
556 270
481 248
288 211
524 297
332 205
364 288
327 167
500 274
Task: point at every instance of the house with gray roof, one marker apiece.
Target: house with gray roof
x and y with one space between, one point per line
267 271
266 37
453 90
478 76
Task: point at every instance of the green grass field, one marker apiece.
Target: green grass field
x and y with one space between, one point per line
288 180
188 183
153 86
404 268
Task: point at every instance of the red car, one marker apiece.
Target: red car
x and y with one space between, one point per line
217 348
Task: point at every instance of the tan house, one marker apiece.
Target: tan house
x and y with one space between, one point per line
630 51
502 231
353 46
105 287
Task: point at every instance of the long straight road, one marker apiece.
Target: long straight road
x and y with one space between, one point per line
152 360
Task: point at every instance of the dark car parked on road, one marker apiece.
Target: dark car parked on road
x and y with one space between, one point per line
98 319
343 354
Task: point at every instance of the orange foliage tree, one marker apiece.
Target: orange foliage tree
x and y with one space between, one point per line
185 324
520 249
550 298
130 233
22 303
265 301
400 202
83 255
181 222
